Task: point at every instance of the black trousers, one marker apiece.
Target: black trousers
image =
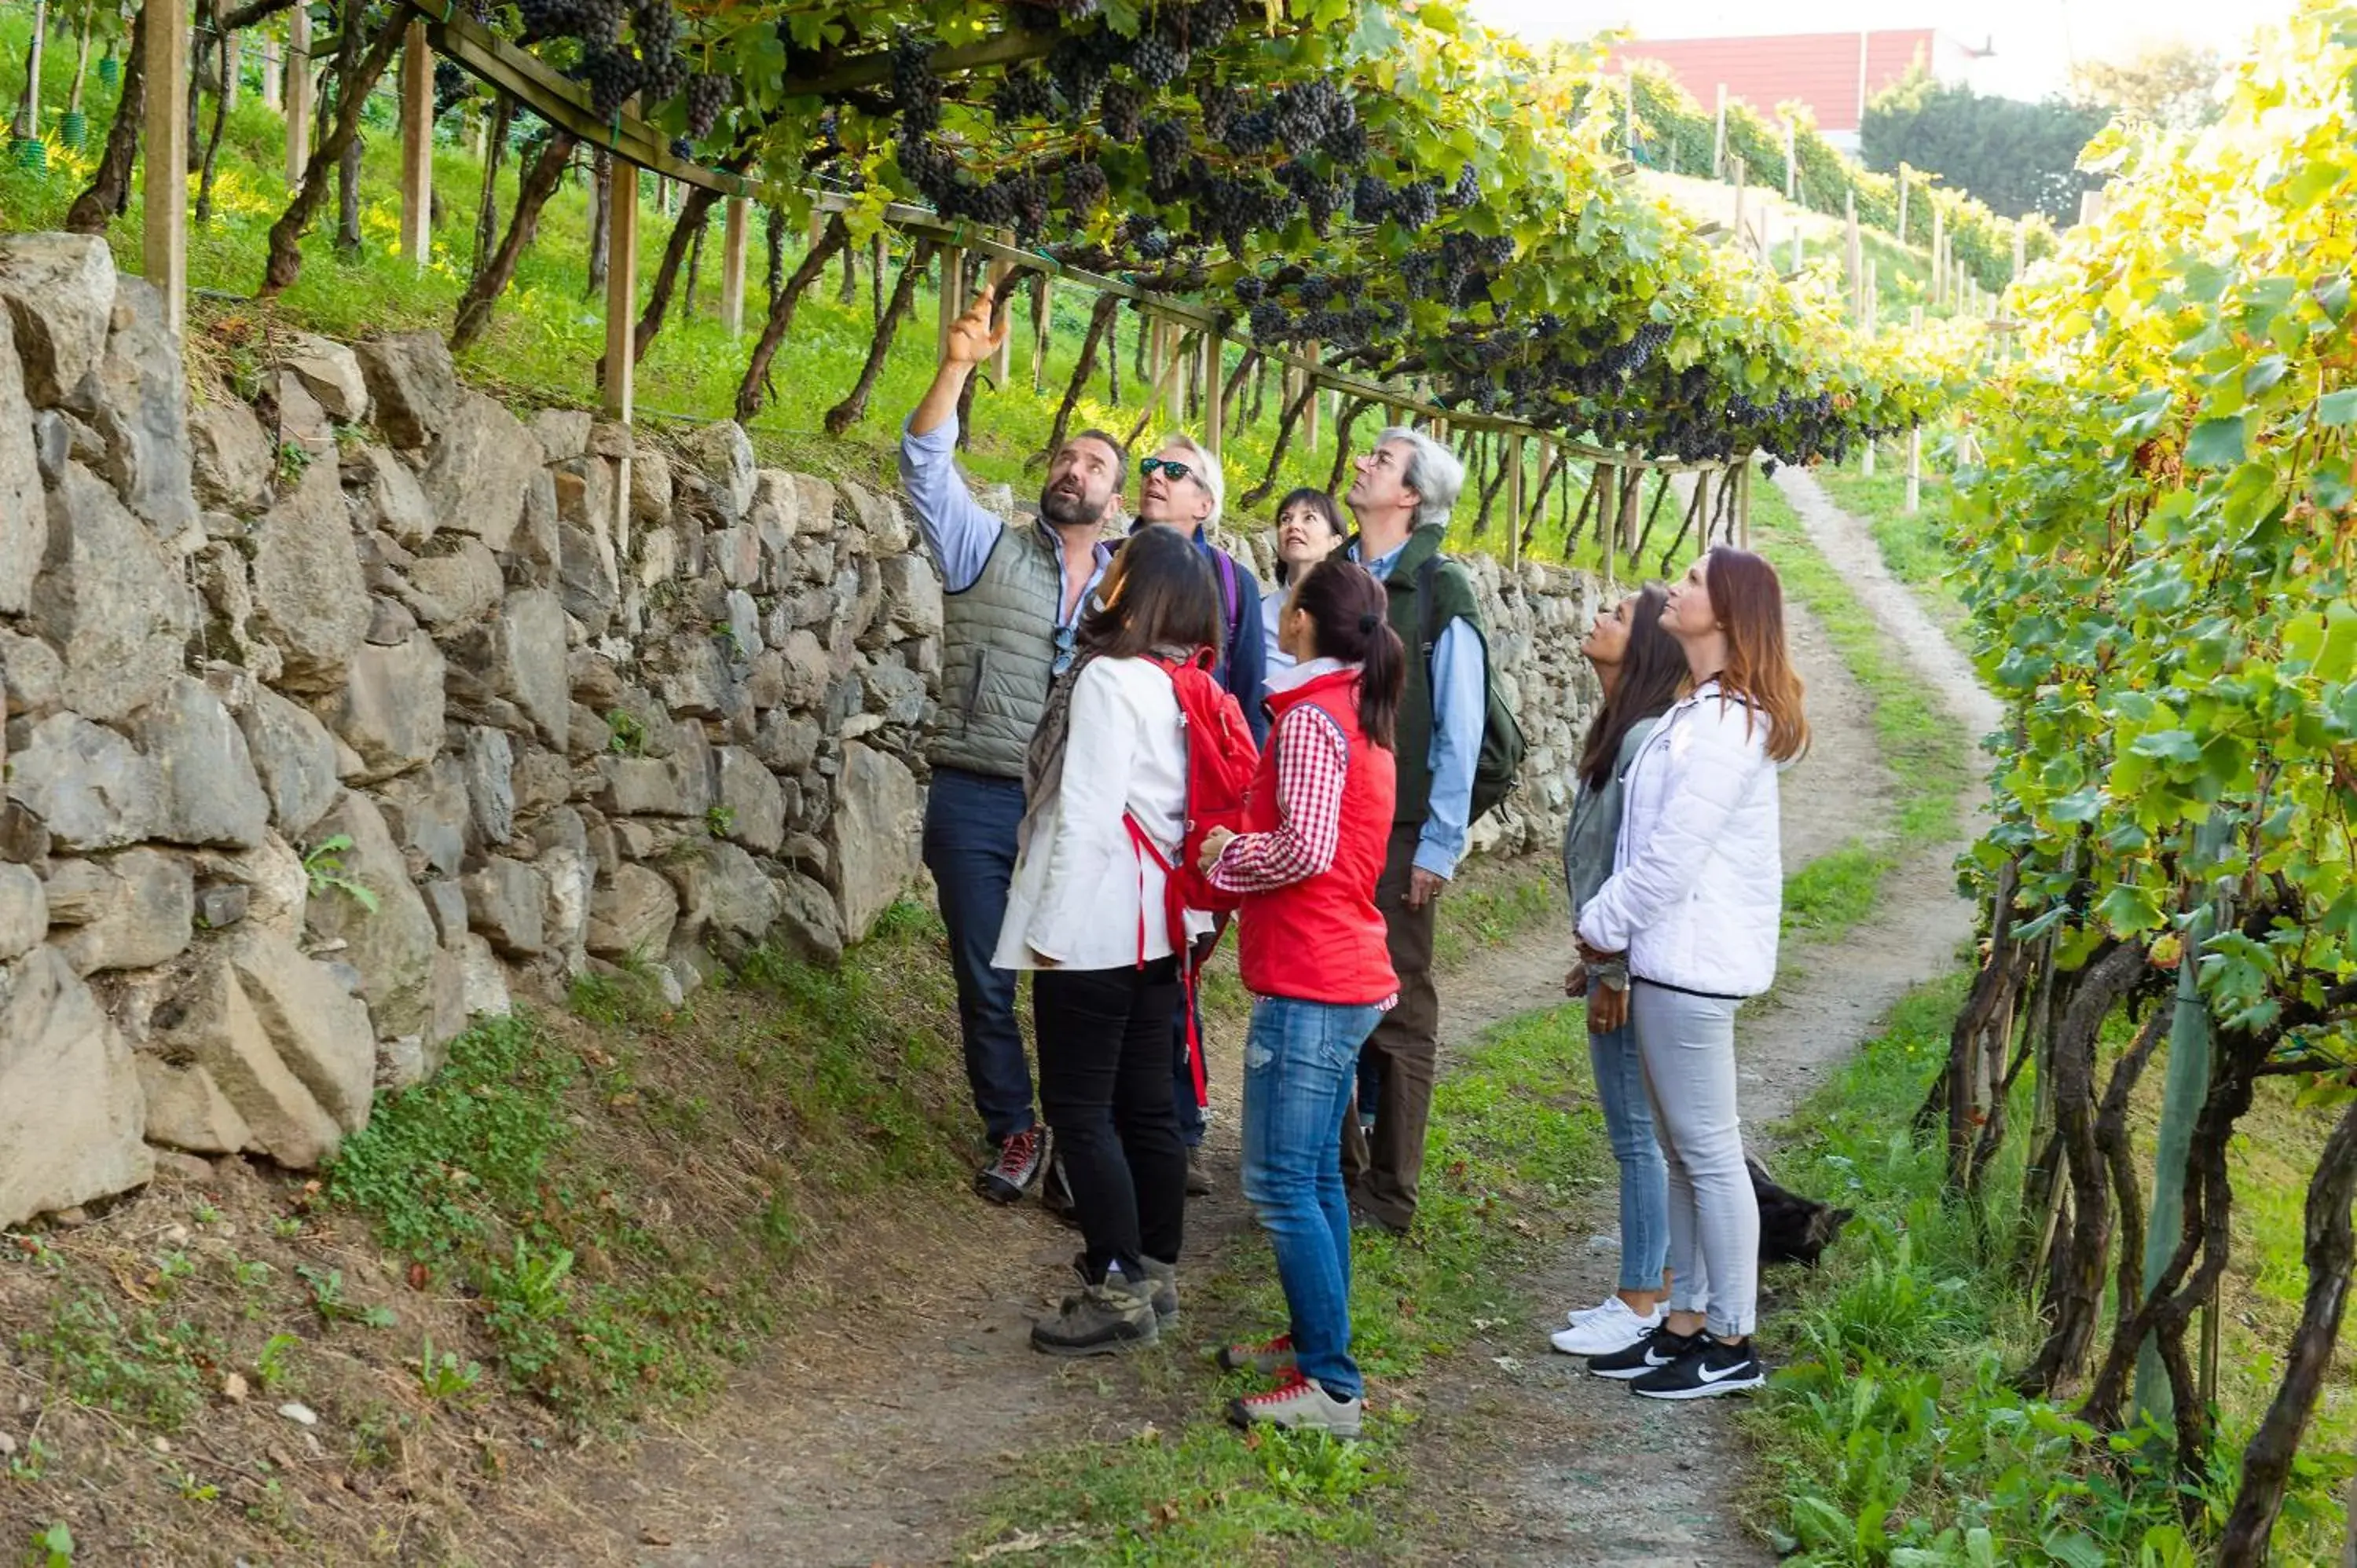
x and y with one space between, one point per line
1105 1089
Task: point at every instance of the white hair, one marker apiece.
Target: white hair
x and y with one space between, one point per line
1433 472
1207 469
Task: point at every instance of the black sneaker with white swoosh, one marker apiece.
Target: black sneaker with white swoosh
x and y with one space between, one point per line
1711 1369
1654 1351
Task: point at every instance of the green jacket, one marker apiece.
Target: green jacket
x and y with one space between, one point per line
998 651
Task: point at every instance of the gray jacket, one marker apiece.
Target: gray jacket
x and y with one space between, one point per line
1589 838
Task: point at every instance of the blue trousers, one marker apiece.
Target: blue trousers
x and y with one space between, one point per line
1644 1175
1300 1068
971 820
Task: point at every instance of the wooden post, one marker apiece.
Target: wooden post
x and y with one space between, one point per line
1213 414
1939 254
622 287
1914 470
1044 334
1514 497
1902 204
1740 172
298 94
1605 477
1002 366
1316 400
732 269
271 98
1633 490
1873 297
1800 256
2019 250
1865 460
1853 273
953 300
1718 137
1791 163
165 211
1174 396
1742 526
28 124
1628 110
417 145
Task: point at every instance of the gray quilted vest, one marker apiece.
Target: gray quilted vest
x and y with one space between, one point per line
999 651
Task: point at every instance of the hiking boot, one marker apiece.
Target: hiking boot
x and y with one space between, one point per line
1056 1191
1657 1349
1299 1404
1021 1159
1101 1319
1710 1370
1162 1281
1270 1357
1199 1185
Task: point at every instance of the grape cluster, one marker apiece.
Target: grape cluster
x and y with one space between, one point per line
1460 270
1168 165
451 83
1122 112
1085 188
1416 205
1159 57
1024 95
917 87
707 96
1467 189
1081 65
649 68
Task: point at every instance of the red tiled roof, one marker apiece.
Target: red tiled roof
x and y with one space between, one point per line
1819 69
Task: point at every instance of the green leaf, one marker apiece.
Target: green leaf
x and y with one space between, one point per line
2168 745
2074 1549
2337 408
2215 443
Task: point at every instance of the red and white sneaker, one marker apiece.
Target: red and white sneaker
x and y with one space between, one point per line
1299 1404
1270 1358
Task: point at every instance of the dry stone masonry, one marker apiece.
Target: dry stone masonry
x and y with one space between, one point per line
338 719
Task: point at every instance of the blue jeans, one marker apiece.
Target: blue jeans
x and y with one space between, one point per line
1644 1177
971 820
1300 1066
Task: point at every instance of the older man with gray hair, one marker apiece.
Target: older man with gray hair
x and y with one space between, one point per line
1182 487
1407 486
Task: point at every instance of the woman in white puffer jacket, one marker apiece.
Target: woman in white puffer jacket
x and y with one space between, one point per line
1695 903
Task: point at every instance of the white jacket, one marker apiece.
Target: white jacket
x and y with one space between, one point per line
1080 888
1697 889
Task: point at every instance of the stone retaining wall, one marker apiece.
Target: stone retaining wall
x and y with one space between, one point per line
336 720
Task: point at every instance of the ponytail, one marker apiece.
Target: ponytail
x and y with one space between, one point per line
1350 612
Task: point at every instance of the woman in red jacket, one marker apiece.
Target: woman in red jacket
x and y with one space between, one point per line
1313 956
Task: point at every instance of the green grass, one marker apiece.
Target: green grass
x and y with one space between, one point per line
1514 1136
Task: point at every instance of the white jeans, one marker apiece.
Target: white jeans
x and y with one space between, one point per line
1687 1044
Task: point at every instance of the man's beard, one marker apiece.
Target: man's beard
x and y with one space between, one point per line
1063 509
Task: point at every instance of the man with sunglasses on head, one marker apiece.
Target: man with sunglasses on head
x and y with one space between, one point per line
1181 487
1012 594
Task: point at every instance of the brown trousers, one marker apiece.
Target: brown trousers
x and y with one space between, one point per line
1381 1169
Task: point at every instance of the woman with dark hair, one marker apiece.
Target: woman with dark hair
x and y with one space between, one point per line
1085 911
1643 670
1312 953
1308 529
1694 907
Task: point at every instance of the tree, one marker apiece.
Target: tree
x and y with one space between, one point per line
2019 157
2173 84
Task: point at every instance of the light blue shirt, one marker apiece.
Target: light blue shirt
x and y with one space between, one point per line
1460 701
960 530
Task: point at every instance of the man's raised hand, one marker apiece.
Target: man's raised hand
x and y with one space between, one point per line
971 339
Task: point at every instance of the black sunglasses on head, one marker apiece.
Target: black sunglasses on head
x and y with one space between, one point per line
1152 465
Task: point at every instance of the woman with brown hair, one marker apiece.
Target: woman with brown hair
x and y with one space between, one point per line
1694 907
1085 912
1643 672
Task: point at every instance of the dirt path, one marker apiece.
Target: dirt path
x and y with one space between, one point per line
1521 1458
908 1391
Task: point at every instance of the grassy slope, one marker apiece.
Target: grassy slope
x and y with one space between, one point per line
1890 1438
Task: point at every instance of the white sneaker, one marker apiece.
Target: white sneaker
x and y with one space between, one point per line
1612 1326
1579 1314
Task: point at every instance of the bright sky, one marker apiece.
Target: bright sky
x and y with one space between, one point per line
2036 41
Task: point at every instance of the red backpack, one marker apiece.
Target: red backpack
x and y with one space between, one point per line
1222 760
